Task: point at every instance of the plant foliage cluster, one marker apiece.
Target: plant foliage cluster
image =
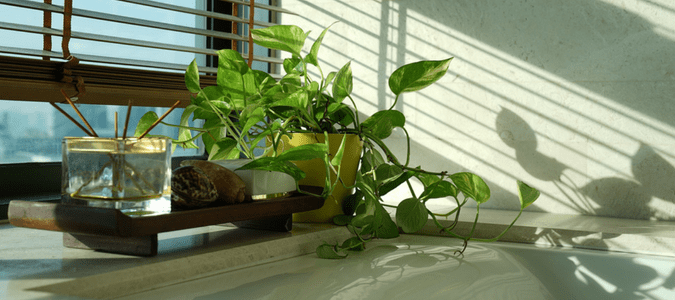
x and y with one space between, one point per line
249 109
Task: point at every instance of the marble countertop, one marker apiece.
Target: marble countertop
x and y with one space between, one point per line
35 265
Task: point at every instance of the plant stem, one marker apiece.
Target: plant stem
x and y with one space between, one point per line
357 123
395 100
407 138
473 227
503 232
230 127
243 89
438 224
412 191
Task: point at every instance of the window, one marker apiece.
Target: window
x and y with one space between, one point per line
124 50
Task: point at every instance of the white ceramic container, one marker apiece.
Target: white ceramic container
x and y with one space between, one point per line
260 184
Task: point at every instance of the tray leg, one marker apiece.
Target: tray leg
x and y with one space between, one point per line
140 246
281 223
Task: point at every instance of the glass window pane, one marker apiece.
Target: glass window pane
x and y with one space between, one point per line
32 131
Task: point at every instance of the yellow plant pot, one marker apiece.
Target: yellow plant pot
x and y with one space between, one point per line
316 172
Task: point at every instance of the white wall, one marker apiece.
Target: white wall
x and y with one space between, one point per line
573 97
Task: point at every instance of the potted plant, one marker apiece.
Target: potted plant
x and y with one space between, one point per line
252 114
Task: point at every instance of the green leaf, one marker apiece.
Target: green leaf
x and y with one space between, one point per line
257 81
333 107
427 179
439 189
341 113
337 159
386 173
343 83
223 149
298 99
184 134
361 220
328 251
293 65
371 160
192 77
231 82
232 60
312 56
526 194
350 202
392 184
329 79
288 38
145 122
353 243
411 215
366 186
251 116
214 93
303 152
387 229
383 122
418 75
472 186
270 164
342 220
312 90
377 158
367 229
291 82
203 110
215 130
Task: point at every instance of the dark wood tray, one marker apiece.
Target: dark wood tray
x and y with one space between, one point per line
111 230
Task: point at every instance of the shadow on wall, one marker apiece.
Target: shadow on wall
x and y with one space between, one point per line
600 46
654 177
517 134
654 180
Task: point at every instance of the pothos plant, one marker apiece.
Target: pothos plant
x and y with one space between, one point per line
248 111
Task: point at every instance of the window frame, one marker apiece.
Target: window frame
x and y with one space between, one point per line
41 182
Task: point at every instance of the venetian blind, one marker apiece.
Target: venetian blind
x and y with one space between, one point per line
77 53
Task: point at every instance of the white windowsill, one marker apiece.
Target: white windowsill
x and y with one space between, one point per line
34 264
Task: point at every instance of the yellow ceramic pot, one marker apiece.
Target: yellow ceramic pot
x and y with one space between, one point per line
316 172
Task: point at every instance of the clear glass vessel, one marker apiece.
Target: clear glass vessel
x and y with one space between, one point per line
132 175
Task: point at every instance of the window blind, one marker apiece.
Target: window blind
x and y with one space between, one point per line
100 66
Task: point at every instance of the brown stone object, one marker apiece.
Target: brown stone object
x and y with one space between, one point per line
191 188
231 188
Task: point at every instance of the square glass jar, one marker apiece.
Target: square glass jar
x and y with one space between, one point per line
132 175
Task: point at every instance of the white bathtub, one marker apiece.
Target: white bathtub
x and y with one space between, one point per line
421 267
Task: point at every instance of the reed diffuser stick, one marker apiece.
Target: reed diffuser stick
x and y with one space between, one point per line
93 132
159 120
126 121
71 119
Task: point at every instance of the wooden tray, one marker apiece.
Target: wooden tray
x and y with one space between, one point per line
112 231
